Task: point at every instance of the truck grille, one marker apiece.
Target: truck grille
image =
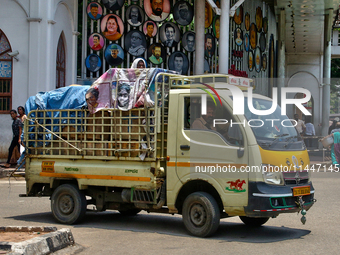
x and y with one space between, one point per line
296 177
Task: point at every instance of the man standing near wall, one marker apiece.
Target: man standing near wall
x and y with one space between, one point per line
16 129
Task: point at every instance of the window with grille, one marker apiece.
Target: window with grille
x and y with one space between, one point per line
61 63
5 75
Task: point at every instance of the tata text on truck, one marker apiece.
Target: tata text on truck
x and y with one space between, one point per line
151 158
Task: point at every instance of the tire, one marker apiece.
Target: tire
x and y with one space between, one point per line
201 214
129 212
68 204
254 222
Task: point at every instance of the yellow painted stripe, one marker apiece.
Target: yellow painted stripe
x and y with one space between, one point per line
188 164
98 177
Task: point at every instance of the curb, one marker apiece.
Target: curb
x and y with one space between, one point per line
45 244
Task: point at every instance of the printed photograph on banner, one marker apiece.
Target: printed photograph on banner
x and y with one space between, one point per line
150 28
98 97
93 63
94 10
134 15
112 27
157 10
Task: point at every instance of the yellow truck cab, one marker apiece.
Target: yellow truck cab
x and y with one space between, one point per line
188 154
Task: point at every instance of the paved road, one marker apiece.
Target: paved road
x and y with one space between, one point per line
110 233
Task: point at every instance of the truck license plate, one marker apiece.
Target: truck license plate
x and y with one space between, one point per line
300 191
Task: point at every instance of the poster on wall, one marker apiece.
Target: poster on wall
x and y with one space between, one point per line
208 15
135 42
238 16
113 5
93 63
150 28
216 26
96 41
247 21
158 10
112 27
94 10
258 19
183 13
114 54
178 62
238 36
253 35
169 34
134 15
262 42
250 60
188 41
209 45
156 54
258 59
246 42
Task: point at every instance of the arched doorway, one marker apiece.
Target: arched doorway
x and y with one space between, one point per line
6 62
61 63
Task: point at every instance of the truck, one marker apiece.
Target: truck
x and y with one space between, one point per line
153 158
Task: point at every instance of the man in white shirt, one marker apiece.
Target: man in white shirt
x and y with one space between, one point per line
300 126
310 131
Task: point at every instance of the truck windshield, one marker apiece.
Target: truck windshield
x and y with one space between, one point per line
274 131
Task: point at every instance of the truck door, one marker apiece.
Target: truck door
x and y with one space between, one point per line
214 154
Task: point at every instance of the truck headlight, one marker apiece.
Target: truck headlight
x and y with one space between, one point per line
272 174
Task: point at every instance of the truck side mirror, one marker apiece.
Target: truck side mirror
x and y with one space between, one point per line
240 152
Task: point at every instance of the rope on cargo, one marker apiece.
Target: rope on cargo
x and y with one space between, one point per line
36 122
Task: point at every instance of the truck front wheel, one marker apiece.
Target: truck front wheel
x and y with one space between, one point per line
68 204
254 222
201 214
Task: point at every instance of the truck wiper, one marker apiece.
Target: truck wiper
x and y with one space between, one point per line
277 139
289 140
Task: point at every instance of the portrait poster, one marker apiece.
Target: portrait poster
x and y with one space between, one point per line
113 5
188 41
265 25
135 42
94 10
209 45
258 19
258 59
93 63
157 11
262 41
183 13
253 35
169 34
264 62
150 28
134 15
112 27
216 26
250 60
114 54
246 42
247 21
96 41
156 54
208 15
100 97
238 16
238 36
178 62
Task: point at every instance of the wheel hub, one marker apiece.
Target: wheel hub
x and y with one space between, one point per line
198 215
66 204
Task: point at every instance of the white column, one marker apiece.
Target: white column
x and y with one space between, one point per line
223 59
326 93
199 41
281 63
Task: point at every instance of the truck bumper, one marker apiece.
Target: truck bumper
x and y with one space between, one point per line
268 200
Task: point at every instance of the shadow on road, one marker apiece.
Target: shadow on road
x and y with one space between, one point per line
173 225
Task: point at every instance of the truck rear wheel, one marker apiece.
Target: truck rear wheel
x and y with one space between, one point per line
254 222
201 214
68 204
